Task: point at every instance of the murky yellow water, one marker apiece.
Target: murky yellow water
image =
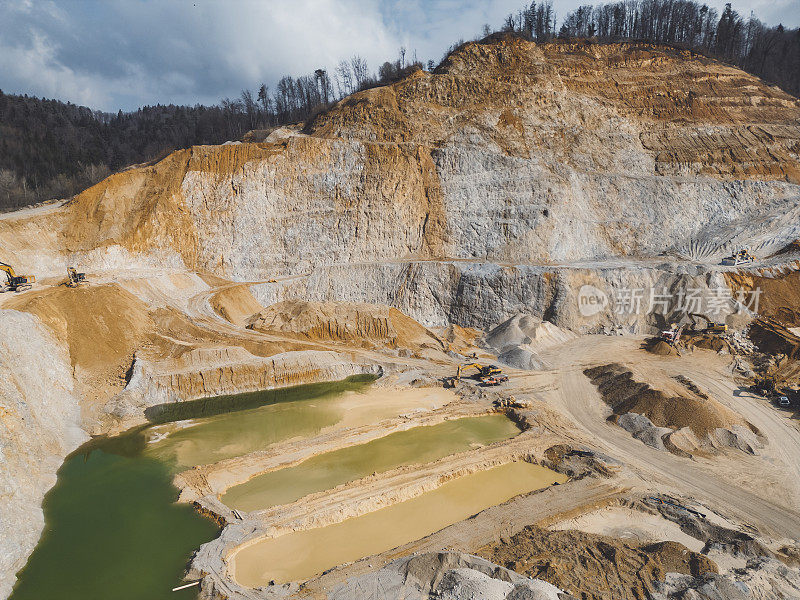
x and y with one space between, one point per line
207 440
414 446
301 555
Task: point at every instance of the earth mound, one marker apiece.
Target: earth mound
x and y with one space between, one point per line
519 340
367 324
617 569
659 347
683 424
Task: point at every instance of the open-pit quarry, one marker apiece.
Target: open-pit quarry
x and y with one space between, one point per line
254 394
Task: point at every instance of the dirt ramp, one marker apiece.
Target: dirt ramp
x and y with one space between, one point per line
684 424
101 325
235 304
369 325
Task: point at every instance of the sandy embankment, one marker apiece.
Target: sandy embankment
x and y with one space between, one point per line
367 415
299 556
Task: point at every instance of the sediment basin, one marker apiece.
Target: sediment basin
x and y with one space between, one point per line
347 404
300 555
414 446
112 526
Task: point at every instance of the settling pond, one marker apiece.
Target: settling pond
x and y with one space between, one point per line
112 528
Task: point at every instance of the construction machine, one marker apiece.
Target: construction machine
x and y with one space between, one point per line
764 386
672 335
711 325
74 279
493 380
742 256
14 282
482 371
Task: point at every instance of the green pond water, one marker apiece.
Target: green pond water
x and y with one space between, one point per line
112 528
298 412
418 445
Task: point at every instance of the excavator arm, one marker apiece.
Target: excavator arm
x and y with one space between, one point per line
9 270
15 283
711 325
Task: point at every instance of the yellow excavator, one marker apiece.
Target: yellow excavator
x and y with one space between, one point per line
711 326
14 282
74 279
482 371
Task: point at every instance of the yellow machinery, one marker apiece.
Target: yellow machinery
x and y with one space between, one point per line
711 326
74 279
482 371
740 257
14 282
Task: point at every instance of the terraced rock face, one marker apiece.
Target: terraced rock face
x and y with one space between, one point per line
521 157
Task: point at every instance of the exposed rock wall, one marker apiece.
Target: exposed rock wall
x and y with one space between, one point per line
39 425
204 373
527 159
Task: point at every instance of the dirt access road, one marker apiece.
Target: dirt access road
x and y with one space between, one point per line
710 480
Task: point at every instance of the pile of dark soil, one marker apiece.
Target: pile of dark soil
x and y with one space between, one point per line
595 567
624 395
772 337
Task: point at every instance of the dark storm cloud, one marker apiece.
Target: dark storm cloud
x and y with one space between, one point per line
112 54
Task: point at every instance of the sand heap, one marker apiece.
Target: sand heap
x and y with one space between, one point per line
659 347
235 304
684 424
519 340
368 325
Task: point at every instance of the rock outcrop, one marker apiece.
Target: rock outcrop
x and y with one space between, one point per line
39 425
207 372
489 187
365 324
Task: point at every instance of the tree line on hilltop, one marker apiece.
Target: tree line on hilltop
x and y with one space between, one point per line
772 53
52 149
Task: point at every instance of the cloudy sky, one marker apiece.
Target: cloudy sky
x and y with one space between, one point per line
121 54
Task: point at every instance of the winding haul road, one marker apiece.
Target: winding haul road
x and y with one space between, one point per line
576 397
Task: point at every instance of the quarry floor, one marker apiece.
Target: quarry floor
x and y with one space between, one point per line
557 405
